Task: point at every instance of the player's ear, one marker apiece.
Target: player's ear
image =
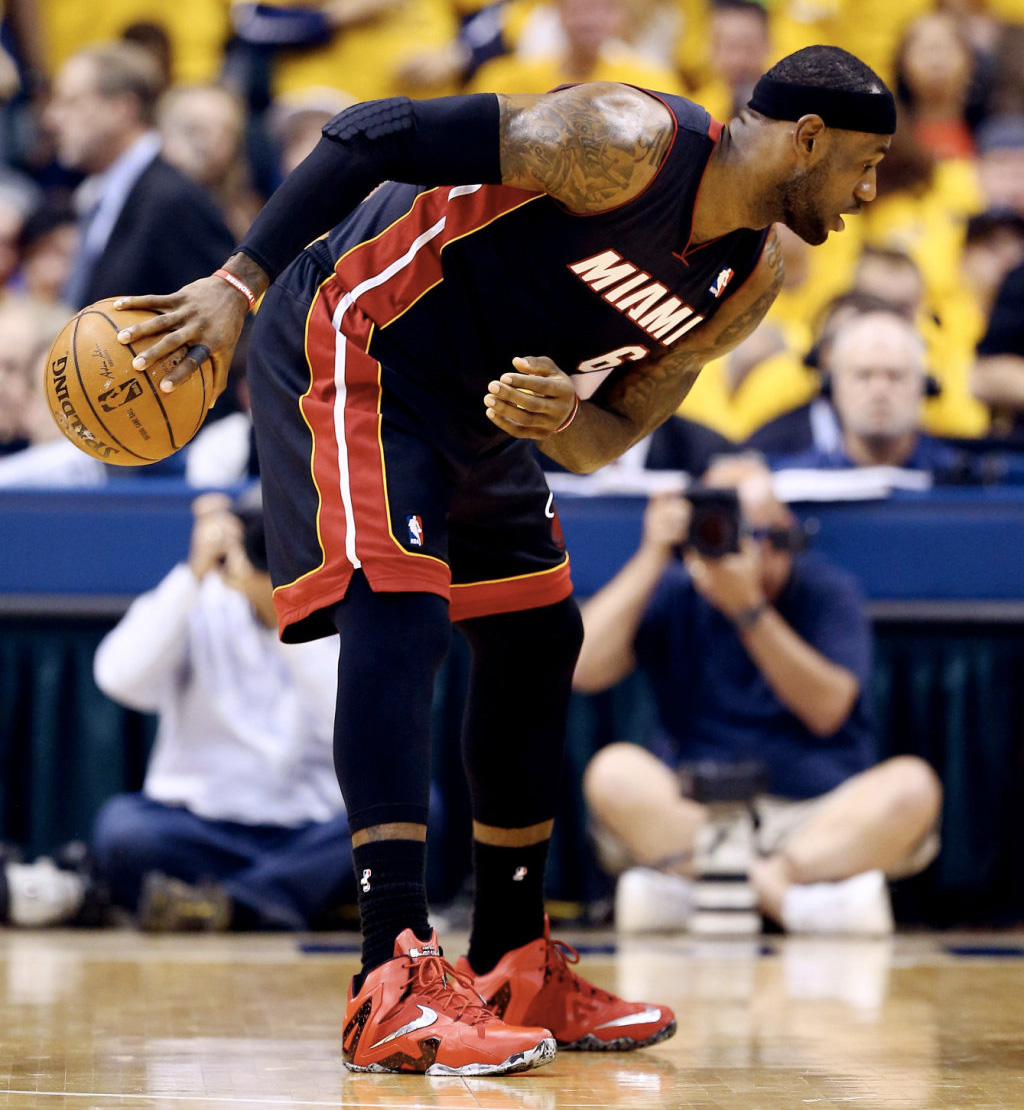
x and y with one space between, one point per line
808 136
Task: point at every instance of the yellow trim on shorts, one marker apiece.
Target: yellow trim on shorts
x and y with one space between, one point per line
512 577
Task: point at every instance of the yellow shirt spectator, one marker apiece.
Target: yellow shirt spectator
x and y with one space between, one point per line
197 30
593 49
539 75
868 28
739 51
928 223
364 59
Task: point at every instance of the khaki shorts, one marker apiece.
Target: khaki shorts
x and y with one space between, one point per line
778 821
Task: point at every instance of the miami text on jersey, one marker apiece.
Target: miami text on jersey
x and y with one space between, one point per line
631 291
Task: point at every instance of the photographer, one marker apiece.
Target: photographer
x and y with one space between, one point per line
758 653
240 822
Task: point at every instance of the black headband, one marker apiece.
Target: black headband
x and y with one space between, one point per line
874 112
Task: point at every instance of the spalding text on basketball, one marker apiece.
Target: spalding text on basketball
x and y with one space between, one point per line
71 418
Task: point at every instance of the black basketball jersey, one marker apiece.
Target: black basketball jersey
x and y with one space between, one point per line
457 280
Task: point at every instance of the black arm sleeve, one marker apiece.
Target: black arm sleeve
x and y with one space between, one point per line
452 140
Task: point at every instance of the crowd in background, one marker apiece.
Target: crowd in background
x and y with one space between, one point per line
239 92
236 94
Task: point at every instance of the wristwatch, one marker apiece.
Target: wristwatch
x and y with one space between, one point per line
745 619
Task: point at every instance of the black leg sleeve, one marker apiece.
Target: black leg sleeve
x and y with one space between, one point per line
392 645
514 729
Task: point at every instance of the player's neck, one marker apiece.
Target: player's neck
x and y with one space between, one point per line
731 194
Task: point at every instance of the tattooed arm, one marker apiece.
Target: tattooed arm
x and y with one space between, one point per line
633 406
591 147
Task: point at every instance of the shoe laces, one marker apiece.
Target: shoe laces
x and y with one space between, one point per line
559 956
433 978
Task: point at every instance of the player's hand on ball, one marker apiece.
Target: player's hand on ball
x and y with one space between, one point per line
534 403
203 319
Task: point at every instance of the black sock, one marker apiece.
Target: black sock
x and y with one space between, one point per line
390 881
508 902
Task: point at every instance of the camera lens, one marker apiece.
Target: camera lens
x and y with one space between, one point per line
711 532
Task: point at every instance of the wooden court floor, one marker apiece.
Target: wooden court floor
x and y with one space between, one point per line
117 1021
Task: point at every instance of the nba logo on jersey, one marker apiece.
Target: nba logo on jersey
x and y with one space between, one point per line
723 279
415 530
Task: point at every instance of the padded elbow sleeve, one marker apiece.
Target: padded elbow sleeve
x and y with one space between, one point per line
448 141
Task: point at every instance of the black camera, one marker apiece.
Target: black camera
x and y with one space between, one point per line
716 523
717 526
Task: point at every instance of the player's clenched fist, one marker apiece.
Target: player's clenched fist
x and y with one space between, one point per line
534 403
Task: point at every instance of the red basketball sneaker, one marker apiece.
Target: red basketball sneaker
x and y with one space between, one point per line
417 1014
535 985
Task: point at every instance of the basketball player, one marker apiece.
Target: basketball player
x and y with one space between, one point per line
625 238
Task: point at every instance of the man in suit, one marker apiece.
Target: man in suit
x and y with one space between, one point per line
144 225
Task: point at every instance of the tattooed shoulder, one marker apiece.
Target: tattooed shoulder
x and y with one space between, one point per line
589 147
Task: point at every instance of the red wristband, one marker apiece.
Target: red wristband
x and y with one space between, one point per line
237 283
571 417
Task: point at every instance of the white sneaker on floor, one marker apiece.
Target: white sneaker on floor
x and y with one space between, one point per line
854 907
40 893
649 901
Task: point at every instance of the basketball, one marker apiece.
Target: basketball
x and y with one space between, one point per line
107 408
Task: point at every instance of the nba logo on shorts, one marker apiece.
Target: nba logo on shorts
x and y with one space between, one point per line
415 530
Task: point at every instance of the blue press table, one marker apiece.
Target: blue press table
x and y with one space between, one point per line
950 553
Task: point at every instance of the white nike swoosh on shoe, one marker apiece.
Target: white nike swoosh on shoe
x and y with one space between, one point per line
641 1017
427 1017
